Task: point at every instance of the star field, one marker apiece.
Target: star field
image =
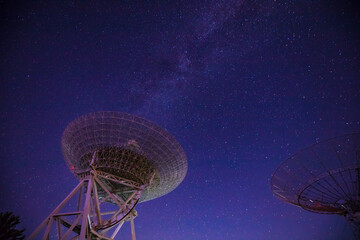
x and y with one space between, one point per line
240 84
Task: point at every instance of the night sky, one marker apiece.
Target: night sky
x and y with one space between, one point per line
240 84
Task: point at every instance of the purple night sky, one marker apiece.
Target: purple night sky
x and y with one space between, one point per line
240 84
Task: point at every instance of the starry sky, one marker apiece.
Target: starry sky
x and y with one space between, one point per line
240 84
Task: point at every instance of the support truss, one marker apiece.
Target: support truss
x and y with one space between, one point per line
99 212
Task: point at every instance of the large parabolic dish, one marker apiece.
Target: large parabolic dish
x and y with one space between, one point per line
323 178
127 146
120 160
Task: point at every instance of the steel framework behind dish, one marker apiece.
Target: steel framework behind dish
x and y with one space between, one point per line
324 178
120 161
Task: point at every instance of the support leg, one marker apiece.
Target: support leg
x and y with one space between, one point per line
117 229
84 223
132 228
37 230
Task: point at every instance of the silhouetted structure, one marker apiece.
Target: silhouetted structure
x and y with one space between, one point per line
120 160
323 178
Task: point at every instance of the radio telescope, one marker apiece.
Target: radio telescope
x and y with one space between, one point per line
323 178
120 161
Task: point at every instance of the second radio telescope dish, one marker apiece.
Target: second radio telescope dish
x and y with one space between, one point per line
323 178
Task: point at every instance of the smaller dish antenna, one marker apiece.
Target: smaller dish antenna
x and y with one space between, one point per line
323 178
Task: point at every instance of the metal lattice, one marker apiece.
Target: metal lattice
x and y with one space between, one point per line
120 161
323 178
126 146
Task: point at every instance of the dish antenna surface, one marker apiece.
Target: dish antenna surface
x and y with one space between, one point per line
120 161
324 178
